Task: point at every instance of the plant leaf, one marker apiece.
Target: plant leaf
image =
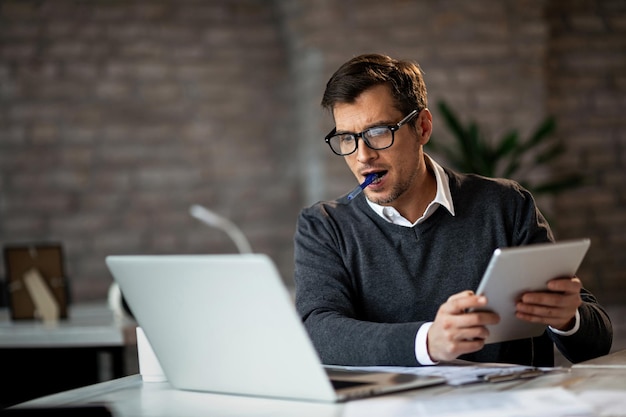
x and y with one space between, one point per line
545 129
550 153
510 156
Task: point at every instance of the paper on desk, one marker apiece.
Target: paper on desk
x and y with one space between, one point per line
463 372
605 403
545 402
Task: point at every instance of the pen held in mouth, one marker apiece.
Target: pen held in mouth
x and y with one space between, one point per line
359 188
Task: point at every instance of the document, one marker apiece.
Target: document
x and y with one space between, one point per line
545 402
463 372
605 403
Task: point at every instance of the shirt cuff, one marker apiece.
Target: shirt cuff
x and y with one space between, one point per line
421 345
572 330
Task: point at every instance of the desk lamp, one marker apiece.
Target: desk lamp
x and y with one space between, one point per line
212 219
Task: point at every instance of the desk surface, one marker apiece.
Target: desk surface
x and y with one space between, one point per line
87 325
130 396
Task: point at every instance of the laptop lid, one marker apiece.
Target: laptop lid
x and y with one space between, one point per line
227 324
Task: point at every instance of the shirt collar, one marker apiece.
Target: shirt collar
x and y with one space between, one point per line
443 197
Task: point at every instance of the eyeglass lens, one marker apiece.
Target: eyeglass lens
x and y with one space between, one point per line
375 138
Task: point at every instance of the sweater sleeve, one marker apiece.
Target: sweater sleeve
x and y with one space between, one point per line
325 301
593 338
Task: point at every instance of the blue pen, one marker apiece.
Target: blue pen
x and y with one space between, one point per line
359 188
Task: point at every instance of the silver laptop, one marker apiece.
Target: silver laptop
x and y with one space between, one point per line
226 324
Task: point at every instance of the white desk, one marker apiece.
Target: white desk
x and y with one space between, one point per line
87 347
87 325
129 396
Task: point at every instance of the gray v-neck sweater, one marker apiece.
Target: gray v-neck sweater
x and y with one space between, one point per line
364 286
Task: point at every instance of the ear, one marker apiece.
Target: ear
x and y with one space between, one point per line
424 126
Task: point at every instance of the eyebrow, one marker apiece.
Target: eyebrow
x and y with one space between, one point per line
377 124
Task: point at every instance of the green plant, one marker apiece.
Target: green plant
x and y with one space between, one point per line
509 157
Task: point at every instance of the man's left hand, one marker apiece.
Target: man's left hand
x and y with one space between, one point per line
555 307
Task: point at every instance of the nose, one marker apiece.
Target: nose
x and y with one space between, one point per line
364 153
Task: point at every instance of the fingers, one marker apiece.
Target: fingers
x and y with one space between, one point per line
463 301
450 350
555 308
466 326
565 285
456 331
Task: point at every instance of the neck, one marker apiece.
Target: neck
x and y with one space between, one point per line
415 201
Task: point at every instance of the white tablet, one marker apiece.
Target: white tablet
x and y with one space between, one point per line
516 270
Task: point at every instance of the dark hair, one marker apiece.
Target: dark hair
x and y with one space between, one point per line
365 71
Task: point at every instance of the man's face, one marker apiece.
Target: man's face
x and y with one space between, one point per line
402 165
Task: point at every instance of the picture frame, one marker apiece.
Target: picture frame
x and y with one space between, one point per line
47 262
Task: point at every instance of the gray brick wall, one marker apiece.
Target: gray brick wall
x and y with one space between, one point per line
116 116
586 85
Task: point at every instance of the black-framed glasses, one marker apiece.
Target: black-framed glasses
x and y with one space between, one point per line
376 137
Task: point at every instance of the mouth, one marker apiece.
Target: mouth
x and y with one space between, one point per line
379 176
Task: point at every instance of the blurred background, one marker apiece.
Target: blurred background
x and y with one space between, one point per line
117 116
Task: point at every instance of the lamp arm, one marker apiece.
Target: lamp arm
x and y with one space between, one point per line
214 220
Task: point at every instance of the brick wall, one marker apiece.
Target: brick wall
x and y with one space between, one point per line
116 116
586 85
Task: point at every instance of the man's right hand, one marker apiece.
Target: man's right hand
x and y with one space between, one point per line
455 331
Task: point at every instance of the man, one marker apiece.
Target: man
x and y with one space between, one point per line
387 278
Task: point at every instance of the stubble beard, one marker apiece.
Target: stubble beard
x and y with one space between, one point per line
396 192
